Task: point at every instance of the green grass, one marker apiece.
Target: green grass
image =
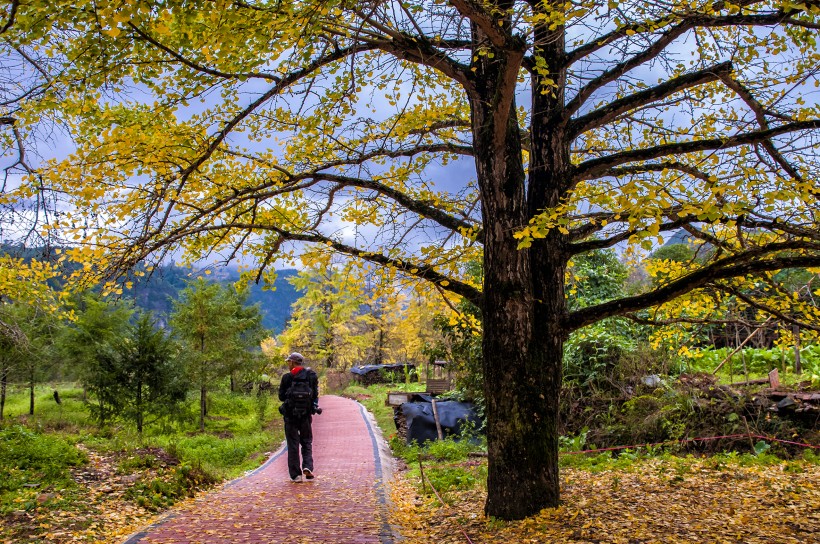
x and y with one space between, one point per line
41 448
445 462
374 397
31 463
758 363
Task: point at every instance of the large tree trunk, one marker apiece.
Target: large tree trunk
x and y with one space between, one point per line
523 306
521 415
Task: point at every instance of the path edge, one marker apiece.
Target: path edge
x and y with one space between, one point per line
385 472
171 513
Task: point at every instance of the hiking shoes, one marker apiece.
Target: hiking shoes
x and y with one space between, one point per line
308 474
296 479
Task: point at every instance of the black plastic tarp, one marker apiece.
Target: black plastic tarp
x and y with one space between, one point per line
370 374
421 425
367 369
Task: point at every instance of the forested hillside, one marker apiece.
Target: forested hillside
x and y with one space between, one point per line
156 291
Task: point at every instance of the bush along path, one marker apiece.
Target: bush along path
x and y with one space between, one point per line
346 502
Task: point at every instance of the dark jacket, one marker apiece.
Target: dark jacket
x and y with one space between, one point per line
287 380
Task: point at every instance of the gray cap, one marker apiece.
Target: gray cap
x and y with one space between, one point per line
295 357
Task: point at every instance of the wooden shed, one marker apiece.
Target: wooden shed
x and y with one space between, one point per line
439 377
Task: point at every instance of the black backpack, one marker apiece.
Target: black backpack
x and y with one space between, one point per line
300 396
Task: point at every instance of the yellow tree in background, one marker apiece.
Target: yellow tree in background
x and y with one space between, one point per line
343 320
28 291
419 135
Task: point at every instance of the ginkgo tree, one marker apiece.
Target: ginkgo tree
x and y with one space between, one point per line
325 323
421 134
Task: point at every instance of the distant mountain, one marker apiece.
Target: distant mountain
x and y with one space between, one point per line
158 291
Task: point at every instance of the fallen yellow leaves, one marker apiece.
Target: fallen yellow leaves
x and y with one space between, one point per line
101 514
684 500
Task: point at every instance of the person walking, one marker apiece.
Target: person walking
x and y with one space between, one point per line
299 393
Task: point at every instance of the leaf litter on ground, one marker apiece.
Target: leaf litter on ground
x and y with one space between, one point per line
669 500
99 510
678 500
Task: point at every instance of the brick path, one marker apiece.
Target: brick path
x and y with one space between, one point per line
345 504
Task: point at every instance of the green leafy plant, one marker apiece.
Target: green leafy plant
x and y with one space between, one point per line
170 486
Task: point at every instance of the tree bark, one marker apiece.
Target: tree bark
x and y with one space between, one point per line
523 310
31 394
4 375
202 393
521 414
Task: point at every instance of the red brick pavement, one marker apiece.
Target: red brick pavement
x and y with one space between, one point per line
344 504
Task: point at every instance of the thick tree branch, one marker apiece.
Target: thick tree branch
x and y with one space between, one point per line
729 267
612 241
12 16
768 309
196 66
417 270
476 12
687 169
615 108
690 320
421 208
620 69
748 221
691 20
665 39
596 167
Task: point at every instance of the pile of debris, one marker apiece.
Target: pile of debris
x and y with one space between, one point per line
370 374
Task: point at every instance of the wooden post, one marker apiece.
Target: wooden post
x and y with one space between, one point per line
798 368
774 379
421 471
749 432
754 332
438 422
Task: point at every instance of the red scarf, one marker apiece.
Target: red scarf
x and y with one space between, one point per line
296 370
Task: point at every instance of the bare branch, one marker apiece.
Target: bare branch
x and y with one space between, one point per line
476 13
220 136
760 114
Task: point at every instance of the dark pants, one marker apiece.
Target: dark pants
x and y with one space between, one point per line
298 433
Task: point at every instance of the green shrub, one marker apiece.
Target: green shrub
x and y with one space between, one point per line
43 456
219 456
447 478
169 486
31 462
449 450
